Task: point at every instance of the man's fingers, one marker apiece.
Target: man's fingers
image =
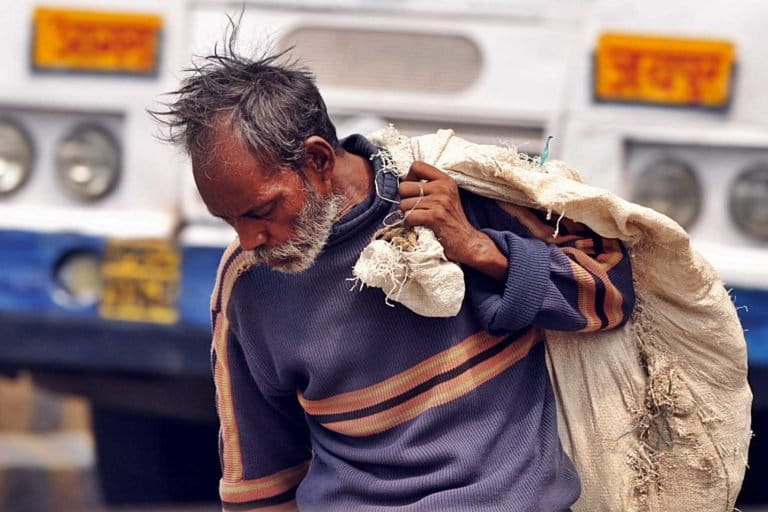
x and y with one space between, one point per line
415 189
424 171
418 218
415 202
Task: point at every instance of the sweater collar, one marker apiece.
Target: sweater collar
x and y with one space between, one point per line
376 204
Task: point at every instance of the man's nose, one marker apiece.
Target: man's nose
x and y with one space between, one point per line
251 237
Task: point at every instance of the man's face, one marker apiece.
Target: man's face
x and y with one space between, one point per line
276 213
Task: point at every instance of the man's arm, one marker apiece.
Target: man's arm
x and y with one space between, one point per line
519 273
264 441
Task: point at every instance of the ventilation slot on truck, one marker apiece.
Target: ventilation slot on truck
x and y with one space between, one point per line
391 61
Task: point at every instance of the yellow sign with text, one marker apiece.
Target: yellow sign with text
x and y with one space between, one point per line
664 70
95 41
141 281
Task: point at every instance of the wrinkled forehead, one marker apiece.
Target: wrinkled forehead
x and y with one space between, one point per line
221 150
224 169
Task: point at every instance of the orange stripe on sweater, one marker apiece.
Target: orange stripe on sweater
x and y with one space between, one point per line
288 506
264 487
611 255
232 466
613 297
219 275
232 460
441 394
402 382
587 292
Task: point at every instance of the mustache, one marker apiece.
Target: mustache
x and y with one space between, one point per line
288 250
313 228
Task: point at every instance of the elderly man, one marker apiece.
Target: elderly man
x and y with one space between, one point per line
331 400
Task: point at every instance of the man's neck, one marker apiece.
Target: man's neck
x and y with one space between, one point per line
352 179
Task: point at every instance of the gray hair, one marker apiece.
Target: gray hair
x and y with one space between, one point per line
270 100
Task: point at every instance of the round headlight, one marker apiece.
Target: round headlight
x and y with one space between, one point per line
749 201
79 277
88 162
15 156
670 187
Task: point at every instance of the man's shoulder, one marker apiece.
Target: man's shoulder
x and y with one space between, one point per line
234 263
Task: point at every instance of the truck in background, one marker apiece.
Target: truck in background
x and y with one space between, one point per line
97 295
107 272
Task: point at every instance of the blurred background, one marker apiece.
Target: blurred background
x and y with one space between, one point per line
107 255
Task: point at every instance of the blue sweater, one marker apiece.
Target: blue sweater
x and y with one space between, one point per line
331 400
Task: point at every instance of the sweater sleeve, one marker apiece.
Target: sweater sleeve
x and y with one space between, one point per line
561 275
263 440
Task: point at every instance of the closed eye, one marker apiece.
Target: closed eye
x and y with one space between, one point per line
261 212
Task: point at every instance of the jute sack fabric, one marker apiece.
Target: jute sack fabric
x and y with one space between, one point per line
656 415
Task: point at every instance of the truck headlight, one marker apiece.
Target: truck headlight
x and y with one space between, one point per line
88 162
15 156
749 201
670 186
79 277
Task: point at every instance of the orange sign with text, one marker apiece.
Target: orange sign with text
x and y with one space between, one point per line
664 71
95 41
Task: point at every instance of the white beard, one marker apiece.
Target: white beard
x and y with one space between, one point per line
313 227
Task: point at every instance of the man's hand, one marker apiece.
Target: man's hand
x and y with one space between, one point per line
430 198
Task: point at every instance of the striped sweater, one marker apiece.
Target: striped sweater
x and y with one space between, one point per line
331 400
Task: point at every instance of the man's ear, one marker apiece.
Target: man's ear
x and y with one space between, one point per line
319 159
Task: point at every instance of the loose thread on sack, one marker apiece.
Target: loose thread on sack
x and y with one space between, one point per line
390 268
401 285
355 282
557 225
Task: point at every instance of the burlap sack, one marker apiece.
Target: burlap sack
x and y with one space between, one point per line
656 416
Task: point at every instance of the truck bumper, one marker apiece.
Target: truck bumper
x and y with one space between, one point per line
94 345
